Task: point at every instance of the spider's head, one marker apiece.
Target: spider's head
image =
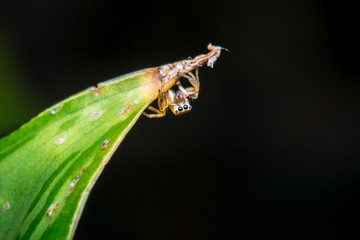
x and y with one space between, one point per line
180 106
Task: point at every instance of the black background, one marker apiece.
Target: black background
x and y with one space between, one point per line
271 147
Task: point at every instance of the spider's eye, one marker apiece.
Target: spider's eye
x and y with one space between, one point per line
190 107
180 109
185 107
176 111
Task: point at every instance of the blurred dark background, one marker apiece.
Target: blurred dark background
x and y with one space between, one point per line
271 147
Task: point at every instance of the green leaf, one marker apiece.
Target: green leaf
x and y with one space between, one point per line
49 165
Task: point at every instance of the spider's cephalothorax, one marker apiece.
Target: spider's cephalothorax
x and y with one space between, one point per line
178 102
170 75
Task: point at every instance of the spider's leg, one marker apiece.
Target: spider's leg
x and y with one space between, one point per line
185 93
157 113
162 103
193 91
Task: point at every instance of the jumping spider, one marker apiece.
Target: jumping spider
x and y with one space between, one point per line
170 75
177 101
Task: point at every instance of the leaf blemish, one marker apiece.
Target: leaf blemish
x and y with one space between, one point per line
56 109
73 182
60 140
105 144
95 115
138 99
6 206
72 185
124 110
51 209
96 90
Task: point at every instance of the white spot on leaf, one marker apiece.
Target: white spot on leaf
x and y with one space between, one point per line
105 144
6 206
60 140
138 99
96 90
51 209
124 110
95 115
56 109
73 183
